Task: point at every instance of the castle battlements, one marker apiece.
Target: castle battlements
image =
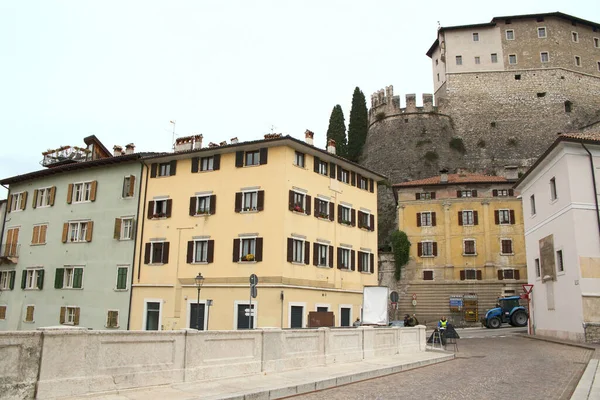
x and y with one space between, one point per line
385 101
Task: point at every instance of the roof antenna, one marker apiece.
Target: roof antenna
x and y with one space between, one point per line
173 140
272 128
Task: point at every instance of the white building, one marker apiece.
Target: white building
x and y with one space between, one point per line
562 238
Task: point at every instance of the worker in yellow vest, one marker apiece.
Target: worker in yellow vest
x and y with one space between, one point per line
442 325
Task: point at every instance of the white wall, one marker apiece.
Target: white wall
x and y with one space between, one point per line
460 42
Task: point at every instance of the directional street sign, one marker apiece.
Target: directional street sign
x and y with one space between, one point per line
249 313
253 279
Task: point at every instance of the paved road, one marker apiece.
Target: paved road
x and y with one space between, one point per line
509 367
471 333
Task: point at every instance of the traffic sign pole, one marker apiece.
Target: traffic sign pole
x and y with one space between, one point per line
528 288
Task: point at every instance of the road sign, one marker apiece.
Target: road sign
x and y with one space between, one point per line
209 302
414 296
394 297
527 288
249 313
253 291
253 279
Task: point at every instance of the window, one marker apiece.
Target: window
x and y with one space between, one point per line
343 175
469 247
364 261
568 106
33 279
298 201
248 249
494 57
252 158
470 274
577 61
156 253
345 215
507 247
538 271
82 191
512 58
164 169
504 217
200 251
426 218
517 78
438 77
532 204
298 251
7 280
11 245
152 316
112 319
363 183
468 218
322 255
476 37
250 201
560 266
596 42
425 195
344 258
508 273
128 186
29 313
598 65
69 277
42 197
544 56
436 61
322 209
207 163
477 60
299 159
553 195
428 275
364 220
510 34
126 232
122 278
427 249
575 37
160 208
2 312
78 231
202 205
322 167
501 193
466 193
16 201
39 234
541 32
458 60
69 315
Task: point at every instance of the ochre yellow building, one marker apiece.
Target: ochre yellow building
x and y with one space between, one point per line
466 234
300 218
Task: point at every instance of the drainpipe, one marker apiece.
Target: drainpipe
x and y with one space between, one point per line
140 232
594 185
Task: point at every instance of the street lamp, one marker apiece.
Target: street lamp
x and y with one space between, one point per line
199 281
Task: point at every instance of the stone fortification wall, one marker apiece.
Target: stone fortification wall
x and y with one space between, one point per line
75 362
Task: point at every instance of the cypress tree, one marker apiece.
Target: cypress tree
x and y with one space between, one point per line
358 126
337 130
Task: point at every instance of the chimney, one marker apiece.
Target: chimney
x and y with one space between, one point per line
117 150
234 140
309 137
331 146
183 143
511 172
197 142
444 176
129 148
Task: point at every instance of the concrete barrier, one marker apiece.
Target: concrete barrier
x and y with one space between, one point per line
75 362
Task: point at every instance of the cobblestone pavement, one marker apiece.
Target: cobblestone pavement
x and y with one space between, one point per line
484 368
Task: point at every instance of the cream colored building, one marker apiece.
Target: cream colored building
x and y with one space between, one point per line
300 218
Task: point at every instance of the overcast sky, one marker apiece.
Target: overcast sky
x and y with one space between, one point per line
123 69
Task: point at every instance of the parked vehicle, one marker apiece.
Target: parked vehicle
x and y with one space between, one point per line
509 311
398 324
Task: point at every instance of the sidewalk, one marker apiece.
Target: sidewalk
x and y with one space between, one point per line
281 384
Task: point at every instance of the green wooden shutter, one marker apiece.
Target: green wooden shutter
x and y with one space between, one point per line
40 279
24 279
122 278
77 278
58 278
12 275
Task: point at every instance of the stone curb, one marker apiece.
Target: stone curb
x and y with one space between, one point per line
585 388
557 341
308 387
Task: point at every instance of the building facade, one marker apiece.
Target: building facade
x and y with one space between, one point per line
562 235
300 218
466 235
68 240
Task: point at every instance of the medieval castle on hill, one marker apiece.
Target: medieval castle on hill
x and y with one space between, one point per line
503 91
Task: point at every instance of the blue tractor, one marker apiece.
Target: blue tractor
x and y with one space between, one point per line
507 310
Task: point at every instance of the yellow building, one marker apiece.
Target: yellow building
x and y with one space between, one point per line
300 218
467 237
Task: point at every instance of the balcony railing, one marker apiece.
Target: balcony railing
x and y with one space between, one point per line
10 250
66 153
